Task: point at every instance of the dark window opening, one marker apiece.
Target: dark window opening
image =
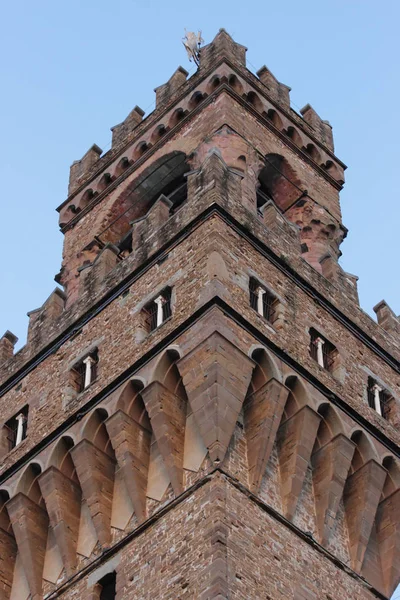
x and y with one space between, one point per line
16 428
84 373
158 310
322 351
108 587
263 301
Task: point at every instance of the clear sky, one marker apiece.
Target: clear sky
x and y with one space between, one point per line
71 70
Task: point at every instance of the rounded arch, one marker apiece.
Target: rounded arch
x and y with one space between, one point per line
131 402
298 395
4 518
176 116
61 457
331 424
273 116
86 197
195 99
234 83
29 485
95 431
141 194
364 450
294 135
104 182
140 149
255 100
265 369
167 373
214 82
312 151
122 165
392 482
278 181
158 133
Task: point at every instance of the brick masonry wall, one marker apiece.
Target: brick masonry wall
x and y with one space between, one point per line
114 331
258 557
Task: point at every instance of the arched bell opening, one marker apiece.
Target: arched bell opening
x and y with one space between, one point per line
278 181
163 176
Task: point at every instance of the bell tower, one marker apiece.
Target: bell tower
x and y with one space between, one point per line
202 409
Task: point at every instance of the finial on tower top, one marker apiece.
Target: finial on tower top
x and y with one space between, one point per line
192 43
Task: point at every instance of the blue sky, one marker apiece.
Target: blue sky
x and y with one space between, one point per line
71 70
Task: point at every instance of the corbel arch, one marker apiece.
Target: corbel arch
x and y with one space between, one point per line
234 83
167 373
331 425
364 451
29 484
392 482
298 395
94 430
265 369
61 457
255 101
131 402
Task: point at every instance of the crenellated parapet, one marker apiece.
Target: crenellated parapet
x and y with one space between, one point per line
387 318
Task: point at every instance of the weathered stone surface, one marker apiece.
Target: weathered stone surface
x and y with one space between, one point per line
296 440
62 497
216 376
167 413
331 465
96 471
263 411
30 524
362 493
131 443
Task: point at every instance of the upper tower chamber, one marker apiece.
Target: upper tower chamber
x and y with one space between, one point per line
285 161
204 411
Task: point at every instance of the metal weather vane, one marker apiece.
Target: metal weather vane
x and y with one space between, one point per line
192 42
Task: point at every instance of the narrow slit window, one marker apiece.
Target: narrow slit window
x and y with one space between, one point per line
262 301
378 397
159 309
84 373
322 351
16 428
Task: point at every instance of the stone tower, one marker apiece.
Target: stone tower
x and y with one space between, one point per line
204 411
